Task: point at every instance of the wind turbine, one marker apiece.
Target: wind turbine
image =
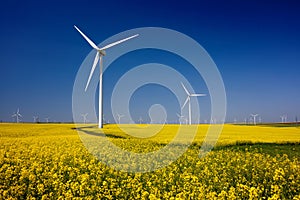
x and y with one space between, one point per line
35 119
47 119
84 117
188 99
259 119
17 115
99 56
140 120
180 118
254 118
235 121
119 118
283 118
186 120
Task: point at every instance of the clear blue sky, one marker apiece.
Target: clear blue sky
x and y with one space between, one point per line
255 45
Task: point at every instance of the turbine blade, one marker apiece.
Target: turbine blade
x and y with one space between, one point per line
187 99
198 95
92 70
87 39
187 92
118 42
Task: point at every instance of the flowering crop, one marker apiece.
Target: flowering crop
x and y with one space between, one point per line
49 161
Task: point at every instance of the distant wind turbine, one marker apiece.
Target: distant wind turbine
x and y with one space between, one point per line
17 115
213 120
119 118
140 120
283 118
235 120
259 119
188 100
286 118
47 119
84 117
99 56
35 119
180 118
254 118
104 120
186 120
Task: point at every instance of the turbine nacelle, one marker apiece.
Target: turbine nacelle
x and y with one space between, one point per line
102 52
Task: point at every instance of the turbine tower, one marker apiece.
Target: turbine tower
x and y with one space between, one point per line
188 99
254 118
84 117
99 56
17 115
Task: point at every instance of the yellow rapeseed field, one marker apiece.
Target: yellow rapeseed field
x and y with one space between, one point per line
49 161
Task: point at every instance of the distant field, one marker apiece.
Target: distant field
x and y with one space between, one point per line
231 134
249 162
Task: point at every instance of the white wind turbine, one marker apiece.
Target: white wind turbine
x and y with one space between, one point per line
186 120
99 56
283 118
119 118
140 120
35 119
84 117
180 118
47 119
254 118
188 99
17 115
